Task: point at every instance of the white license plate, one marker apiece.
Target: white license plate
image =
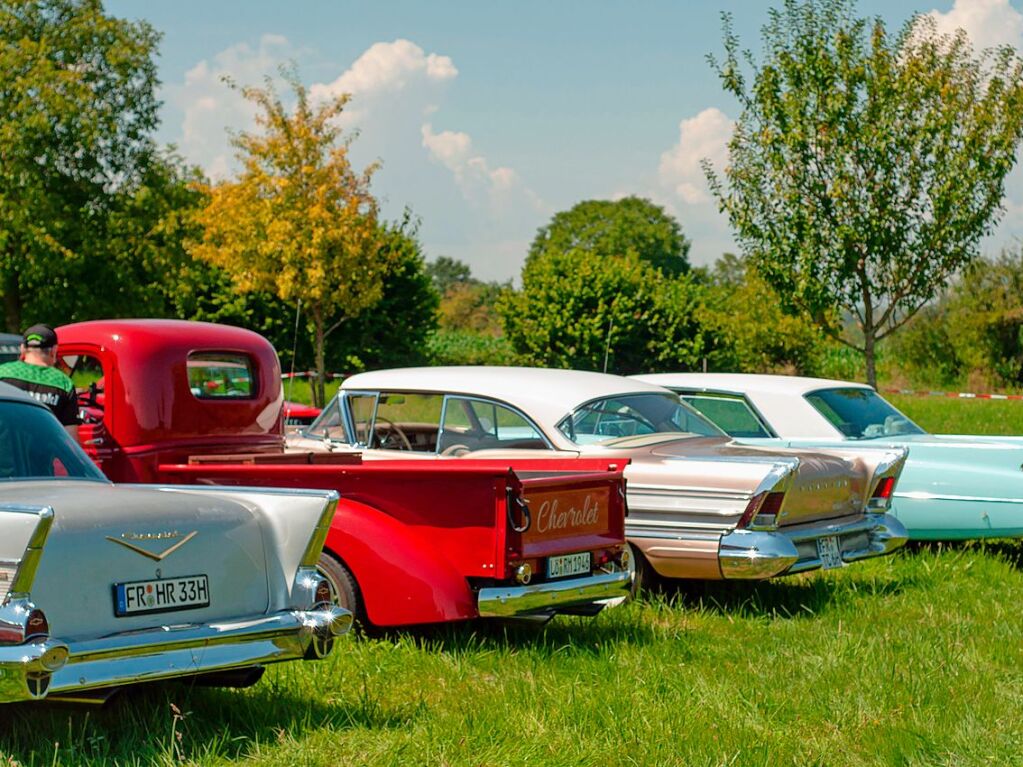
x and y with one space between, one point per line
829 552
161 596
568 564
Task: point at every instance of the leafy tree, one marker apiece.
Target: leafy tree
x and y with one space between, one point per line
298 221
577 311
630 226
865 168
77 108
749 330
446 272
396 332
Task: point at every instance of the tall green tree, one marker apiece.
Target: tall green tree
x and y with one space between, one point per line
77 109
298 221
865 167
617 314
629 226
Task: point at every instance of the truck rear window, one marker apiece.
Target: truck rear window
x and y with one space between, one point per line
220 375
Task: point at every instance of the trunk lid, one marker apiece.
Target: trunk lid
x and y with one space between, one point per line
98 538
826 485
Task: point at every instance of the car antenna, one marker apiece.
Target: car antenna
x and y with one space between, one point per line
294 348
607 346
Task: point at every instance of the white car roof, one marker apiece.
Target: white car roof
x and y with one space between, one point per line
779 399
748 383
546 395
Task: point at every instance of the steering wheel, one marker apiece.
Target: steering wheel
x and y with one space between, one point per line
456 449
611 418
391 434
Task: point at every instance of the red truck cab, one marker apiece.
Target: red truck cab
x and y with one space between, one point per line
174 402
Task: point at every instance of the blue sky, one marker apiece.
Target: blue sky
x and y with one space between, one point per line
491 117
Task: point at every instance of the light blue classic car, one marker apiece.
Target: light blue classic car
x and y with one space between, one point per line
953 487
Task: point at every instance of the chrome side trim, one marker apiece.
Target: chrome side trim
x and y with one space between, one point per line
923 495
548 598
319 537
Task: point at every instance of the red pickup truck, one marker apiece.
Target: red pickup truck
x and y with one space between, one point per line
168 401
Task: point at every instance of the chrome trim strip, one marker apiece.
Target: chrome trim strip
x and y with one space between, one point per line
923 495
698 492
548 598
312 552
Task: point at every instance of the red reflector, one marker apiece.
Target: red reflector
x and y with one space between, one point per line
323 592
36 625
884 488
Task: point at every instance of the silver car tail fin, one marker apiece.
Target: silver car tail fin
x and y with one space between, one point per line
25 531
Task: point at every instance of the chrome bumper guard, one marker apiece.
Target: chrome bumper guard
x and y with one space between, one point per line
167 652
758 554
549 598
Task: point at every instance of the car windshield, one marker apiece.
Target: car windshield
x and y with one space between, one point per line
630 415
33 445
861 413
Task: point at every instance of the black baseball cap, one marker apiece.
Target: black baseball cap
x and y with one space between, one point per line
39 337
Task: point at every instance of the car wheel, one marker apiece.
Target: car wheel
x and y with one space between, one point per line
645 577
344 590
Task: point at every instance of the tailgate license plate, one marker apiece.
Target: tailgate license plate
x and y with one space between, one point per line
161 596
829 552
569 564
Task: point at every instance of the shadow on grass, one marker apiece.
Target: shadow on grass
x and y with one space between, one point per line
1009 550
174 722
577 634
787 597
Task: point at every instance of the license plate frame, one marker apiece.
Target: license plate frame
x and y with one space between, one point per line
161 595
829 552
567 565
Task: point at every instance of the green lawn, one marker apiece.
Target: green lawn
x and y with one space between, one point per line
912 660
945 415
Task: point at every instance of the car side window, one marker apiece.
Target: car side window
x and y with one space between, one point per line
474 424
732 414
86 372
407 421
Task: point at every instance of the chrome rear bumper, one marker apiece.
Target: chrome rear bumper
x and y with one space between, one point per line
167 652
758 554
555 596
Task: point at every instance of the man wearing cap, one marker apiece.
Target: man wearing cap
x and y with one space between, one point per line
36 375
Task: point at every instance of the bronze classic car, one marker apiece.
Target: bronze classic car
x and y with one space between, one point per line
700 505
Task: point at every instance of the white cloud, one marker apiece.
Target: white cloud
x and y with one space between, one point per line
471 208
499 188
987 22
388 67
209 107
702 137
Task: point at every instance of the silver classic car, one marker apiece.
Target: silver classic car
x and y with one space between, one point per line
103 586
700 505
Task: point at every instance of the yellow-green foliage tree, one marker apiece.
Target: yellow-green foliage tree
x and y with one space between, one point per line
298 220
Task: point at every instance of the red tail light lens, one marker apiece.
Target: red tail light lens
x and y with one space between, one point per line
884 488
764 511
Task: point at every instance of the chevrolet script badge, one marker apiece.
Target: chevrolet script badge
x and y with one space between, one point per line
126 538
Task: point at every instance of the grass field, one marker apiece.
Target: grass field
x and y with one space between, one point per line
911 660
